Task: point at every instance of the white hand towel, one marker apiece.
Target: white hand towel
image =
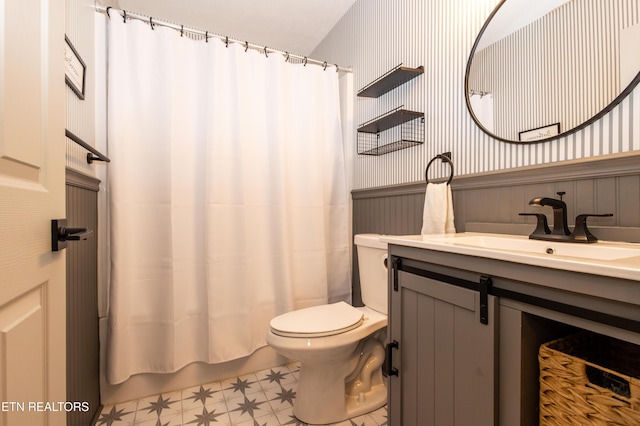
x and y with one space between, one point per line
437 217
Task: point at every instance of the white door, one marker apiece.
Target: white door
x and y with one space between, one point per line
32 192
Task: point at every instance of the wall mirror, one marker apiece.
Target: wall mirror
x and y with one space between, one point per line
542 70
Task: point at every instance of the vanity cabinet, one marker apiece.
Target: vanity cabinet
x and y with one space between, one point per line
443 331
468 331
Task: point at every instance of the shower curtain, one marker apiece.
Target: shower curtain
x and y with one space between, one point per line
228 197
482 106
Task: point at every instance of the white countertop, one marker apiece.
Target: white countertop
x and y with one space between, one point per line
609 259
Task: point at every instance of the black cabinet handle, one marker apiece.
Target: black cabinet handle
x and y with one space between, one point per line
387 366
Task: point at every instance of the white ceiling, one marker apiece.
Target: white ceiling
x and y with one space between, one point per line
510 18
296 26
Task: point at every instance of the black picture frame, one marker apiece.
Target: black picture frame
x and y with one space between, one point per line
539 133
75 71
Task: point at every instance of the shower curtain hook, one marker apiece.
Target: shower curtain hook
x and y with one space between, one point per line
337 67
108 14
246 46
151 23
226 41
124 16
206 36
265 52
286 58
304 61
181 30
324 66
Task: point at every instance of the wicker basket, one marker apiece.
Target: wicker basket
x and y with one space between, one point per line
589 379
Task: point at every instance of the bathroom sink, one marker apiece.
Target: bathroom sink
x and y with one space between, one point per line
606 258
602 251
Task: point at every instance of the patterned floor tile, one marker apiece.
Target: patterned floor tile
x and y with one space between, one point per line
275 378
243 385
264 398
248 407
118 415
269 419
281 398
380 417
209 395
206 417
165 406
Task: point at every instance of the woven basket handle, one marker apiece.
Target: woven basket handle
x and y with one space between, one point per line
606 379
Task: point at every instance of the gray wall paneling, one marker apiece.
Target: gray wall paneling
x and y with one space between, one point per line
490 202
83 347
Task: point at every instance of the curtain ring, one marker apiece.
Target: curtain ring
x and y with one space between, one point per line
151 23
206 36
304 61
226 41
265 52
124 16
246 46
324 66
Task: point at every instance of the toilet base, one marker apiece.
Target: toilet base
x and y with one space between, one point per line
316 413
323 398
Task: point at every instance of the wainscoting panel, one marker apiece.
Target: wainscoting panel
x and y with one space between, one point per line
491 202
83 347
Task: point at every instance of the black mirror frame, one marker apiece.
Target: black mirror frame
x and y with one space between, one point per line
590 121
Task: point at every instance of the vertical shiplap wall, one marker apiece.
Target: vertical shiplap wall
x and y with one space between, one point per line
80 117
376 35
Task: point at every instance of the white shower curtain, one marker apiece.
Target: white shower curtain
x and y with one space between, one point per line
482 106
228 197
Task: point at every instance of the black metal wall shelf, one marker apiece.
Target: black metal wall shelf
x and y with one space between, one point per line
401 129
389 81
387 121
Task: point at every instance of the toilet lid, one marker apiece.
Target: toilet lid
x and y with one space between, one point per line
318 321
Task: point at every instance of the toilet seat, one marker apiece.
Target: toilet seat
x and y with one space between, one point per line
318 321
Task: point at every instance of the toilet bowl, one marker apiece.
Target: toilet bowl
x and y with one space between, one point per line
339 347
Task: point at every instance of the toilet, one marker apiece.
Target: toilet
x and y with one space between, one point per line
340 347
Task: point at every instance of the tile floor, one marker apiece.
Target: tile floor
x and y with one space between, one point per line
264 398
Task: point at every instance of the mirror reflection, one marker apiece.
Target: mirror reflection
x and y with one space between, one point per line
541 70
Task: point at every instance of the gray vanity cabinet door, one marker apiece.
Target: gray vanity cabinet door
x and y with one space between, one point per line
445 357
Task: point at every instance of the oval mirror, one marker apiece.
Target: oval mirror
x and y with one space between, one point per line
543 69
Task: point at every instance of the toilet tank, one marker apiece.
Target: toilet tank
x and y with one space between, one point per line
372 254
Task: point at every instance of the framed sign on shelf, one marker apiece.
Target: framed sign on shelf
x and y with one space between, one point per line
539 133
75 70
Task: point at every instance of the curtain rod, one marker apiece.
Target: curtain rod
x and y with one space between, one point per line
266 50
478 92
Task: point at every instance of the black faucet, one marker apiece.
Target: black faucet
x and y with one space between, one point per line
560 226
561 232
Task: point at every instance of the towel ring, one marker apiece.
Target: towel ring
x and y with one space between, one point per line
443 158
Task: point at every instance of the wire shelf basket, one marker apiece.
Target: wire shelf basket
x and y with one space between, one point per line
395 130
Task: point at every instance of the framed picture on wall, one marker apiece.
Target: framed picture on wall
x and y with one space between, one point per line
539 133
75 70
